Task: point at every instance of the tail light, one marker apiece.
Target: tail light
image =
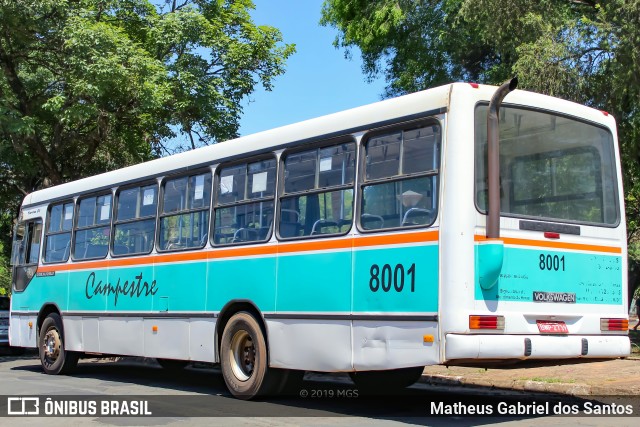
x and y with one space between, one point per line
614 324
486 322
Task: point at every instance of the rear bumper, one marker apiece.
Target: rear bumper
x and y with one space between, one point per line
535 346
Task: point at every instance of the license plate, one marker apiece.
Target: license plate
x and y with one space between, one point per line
552 327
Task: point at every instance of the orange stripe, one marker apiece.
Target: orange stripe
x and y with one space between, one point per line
264 249
554 245
395 239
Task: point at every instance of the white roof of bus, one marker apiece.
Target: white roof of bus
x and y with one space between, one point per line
360 117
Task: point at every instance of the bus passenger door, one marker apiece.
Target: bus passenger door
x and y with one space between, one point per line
26 251
24 262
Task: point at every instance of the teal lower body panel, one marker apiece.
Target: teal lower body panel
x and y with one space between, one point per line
547 276
396 280
313 303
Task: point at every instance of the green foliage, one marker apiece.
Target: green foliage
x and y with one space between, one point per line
89 86
585 51
5 276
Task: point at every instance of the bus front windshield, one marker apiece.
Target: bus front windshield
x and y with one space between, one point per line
552 167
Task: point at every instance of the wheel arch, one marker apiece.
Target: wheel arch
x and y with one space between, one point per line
46 310
233 307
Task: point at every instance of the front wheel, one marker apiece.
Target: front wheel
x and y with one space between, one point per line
243 358
53 356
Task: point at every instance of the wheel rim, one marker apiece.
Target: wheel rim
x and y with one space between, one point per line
242 355
51 345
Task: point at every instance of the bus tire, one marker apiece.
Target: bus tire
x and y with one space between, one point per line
243 358
379 381
54 358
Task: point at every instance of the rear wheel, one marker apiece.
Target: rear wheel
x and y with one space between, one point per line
243 358
377 381
53 356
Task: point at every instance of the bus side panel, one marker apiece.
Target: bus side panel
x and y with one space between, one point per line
312 287
242 279
180 287
314 283
39 291
20 334
87 290
388 344
396 282
251 279
322 345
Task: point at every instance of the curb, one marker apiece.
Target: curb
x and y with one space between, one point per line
571 389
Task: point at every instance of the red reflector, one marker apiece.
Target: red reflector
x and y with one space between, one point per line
550 235
474 85
605 113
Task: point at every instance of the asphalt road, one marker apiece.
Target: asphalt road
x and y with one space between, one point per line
197 396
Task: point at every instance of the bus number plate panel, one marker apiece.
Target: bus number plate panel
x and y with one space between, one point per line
552 327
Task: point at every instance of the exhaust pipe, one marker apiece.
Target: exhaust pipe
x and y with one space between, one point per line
493 152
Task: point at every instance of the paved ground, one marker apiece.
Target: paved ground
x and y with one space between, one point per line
620 377
198 397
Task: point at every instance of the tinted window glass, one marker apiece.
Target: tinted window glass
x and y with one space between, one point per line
94 211
137 202
58 235
91 238
324 172
411 158
58 247
236 218
551 167
185 219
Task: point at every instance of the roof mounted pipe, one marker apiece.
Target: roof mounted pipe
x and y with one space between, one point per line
493 152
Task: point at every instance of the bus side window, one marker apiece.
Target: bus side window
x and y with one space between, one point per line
400 179
58 233
33 245
244 202
318 191
135 221
184 218
93 228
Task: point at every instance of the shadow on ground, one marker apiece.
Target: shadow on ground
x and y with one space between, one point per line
200 391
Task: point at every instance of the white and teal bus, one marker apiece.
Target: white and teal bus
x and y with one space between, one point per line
374 241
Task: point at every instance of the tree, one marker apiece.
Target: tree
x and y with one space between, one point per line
88 86
5 277
587 51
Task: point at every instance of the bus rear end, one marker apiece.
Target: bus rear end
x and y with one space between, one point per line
554 284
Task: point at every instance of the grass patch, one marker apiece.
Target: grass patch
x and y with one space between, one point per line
551 380
634 336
